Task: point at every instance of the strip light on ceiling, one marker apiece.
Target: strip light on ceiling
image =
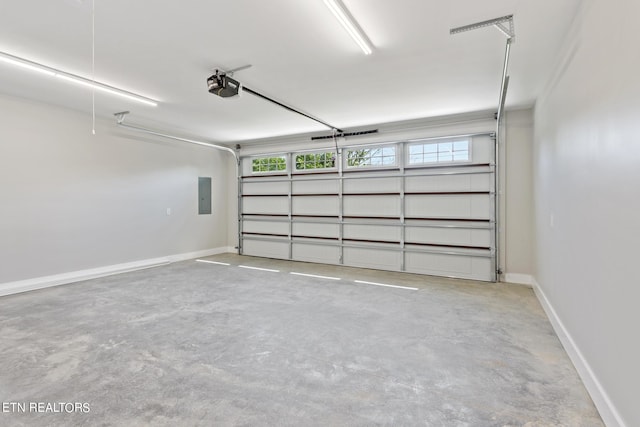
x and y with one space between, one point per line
344 17
73 78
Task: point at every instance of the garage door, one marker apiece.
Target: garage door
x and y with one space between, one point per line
422 206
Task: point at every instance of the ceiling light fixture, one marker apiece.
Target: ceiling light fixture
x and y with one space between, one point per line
14 60
349 23
73 78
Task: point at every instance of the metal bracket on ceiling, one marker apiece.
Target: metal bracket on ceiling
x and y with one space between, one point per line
508 32
121 116
497 23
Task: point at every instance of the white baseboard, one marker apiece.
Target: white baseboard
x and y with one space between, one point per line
518 279
607 409
93 273
200 254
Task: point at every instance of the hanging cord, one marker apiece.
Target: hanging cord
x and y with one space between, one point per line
93 66
335 142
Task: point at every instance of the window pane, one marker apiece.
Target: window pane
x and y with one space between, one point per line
268 164
415 158
430 158
322 160
368 157
430 148
445 147
461 145
439 152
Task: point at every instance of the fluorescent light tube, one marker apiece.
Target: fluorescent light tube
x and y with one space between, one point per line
73 78
105 88
14 60
344 17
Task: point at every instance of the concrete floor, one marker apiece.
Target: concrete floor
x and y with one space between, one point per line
204 344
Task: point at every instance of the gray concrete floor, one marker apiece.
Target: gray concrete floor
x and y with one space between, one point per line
204 344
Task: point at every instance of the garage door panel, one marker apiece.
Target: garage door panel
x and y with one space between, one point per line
441 264
445 183
378 258
258 187
266 249
265 205
467 267
265 227
367 206
316 253
315 186
471 206
449 236
369 185
316 230
372 232
318 205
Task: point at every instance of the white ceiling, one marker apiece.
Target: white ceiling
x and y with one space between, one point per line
300 55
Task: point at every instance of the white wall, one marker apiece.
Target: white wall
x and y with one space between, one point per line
72 201
587 203
517 217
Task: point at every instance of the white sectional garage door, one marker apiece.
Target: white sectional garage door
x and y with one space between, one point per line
421 206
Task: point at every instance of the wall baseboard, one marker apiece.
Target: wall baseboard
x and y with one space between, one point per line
200 254
518 279
19 286
605 406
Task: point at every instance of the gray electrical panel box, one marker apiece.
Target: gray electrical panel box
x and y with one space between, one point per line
204 195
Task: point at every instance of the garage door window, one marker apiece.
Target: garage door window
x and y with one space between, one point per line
269 164
314 161
440 152
372 157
